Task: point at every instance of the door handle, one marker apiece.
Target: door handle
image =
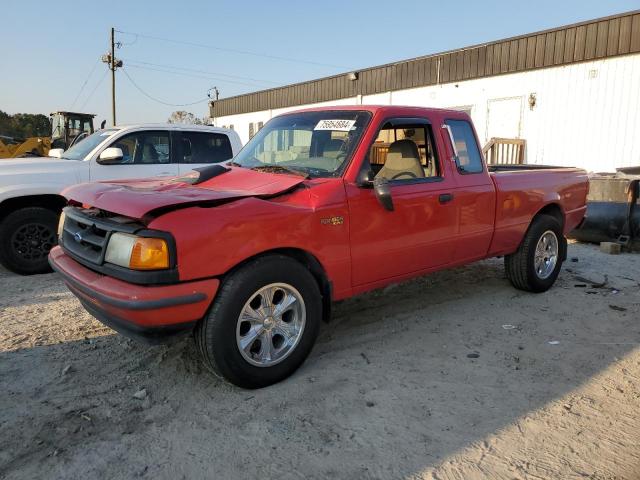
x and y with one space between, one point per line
445 197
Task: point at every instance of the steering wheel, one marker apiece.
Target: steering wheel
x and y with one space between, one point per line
398 175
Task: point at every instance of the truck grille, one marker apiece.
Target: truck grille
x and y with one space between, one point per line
86 232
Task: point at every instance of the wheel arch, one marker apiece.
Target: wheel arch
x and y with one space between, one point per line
554 210
51 202
310 262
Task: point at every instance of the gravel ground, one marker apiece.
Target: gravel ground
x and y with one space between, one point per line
452 376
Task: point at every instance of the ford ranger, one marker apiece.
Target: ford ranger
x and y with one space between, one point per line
320 205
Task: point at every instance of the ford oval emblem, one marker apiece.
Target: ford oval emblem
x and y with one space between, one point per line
77 237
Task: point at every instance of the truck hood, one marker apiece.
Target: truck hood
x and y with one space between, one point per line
138 198
44 171
35 164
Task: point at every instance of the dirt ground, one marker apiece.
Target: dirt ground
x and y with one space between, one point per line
453 376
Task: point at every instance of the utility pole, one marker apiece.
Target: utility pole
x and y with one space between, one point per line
113 63
113 75
215 92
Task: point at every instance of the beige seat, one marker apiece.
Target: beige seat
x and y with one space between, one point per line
403 162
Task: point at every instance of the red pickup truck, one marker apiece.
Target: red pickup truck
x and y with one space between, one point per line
320 205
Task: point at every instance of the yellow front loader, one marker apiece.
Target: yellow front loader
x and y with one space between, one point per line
32 146
67 128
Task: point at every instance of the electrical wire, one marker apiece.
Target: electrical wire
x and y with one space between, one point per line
127 44
94 89
174 67
158 100
85 83
232 50
221 80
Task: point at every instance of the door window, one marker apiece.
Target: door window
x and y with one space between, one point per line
144 148
468 155
404 152
202 147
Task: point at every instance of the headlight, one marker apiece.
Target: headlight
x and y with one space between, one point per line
61 224
137 253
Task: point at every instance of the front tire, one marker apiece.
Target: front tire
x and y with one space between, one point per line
26 236
263 322
536 264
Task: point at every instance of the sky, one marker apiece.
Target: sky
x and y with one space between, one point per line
174 52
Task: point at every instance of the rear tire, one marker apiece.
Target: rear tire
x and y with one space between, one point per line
26 236
252 308
536 264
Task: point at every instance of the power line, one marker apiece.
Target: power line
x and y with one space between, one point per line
94 90
202 71
157 100
85 82
192 75
126 44
231 50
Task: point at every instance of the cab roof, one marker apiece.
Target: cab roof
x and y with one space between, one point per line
384 109
172 126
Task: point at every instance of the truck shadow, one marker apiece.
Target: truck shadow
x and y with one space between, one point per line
402 379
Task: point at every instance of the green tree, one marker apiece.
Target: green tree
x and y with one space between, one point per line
23 125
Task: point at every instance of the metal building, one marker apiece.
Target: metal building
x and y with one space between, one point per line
564 96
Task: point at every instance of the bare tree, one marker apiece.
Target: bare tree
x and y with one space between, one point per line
181 116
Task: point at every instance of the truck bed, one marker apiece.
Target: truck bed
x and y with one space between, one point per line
522 189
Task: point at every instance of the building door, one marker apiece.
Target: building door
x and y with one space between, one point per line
504 118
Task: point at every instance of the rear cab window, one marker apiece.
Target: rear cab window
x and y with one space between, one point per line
204 147
468 158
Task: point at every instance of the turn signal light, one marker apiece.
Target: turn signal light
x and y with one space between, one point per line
149 254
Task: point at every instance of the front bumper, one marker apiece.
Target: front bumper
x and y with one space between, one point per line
152 314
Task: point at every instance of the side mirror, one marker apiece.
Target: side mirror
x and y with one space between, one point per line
366 178
56 152
382 189
111 155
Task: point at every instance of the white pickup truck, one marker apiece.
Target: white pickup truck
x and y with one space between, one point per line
30 200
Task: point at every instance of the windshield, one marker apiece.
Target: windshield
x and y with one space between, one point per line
81 149
318 144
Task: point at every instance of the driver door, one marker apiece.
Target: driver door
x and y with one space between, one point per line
419 234
146 154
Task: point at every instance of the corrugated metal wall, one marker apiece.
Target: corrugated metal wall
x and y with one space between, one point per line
606 37
587 114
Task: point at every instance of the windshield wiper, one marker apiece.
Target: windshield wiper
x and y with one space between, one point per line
280 169
234 164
